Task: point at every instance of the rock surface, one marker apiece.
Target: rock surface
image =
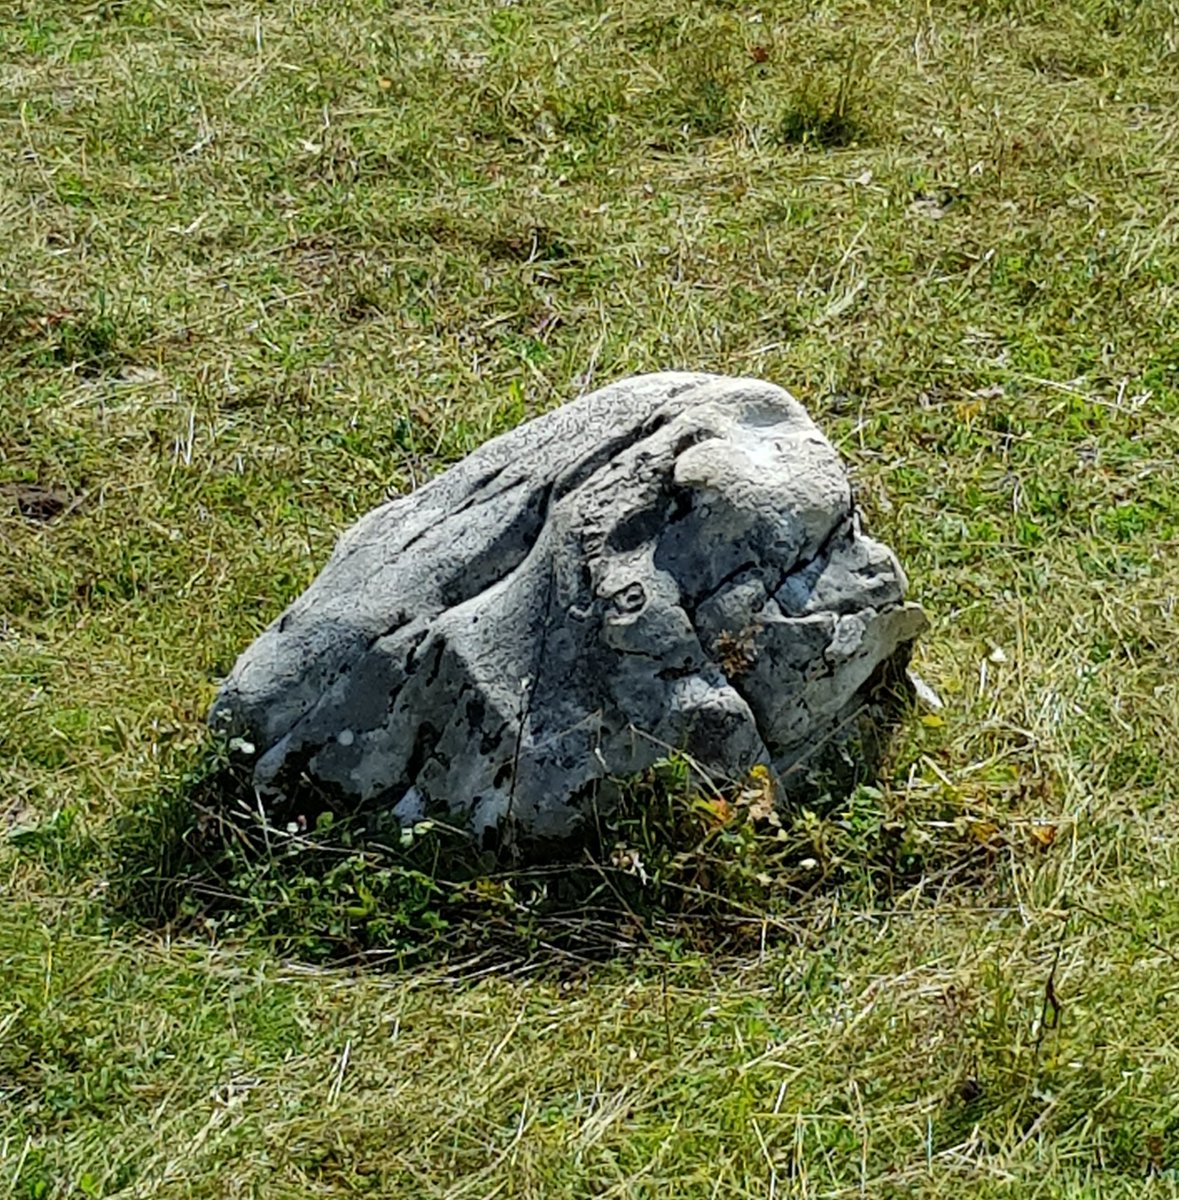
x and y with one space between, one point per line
674 561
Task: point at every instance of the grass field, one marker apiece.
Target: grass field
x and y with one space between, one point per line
263 264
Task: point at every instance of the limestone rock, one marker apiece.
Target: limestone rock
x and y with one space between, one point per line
674 561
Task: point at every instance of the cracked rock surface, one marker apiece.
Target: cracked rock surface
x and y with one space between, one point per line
673 561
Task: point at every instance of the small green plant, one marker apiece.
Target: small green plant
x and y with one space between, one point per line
59 843
829 108
201 856
698 850
702 93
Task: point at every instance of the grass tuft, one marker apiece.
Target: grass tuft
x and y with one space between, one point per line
832 108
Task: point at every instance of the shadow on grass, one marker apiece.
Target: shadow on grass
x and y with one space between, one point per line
675 862
201 861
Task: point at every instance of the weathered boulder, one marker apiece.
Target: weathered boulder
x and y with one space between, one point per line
674 561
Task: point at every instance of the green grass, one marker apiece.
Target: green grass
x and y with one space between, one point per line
262 266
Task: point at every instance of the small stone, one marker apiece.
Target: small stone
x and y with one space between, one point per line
924 693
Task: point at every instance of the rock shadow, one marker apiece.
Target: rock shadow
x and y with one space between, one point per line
667 860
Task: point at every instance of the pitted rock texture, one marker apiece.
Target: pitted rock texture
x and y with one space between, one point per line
672 562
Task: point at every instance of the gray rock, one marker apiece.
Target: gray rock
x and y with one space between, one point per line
674 561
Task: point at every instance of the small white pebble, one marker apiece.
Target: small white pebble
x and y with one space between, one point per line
925 694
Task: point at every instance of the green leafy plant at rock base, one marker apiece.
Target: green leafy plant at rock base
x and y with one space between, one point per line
261 268
675 860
